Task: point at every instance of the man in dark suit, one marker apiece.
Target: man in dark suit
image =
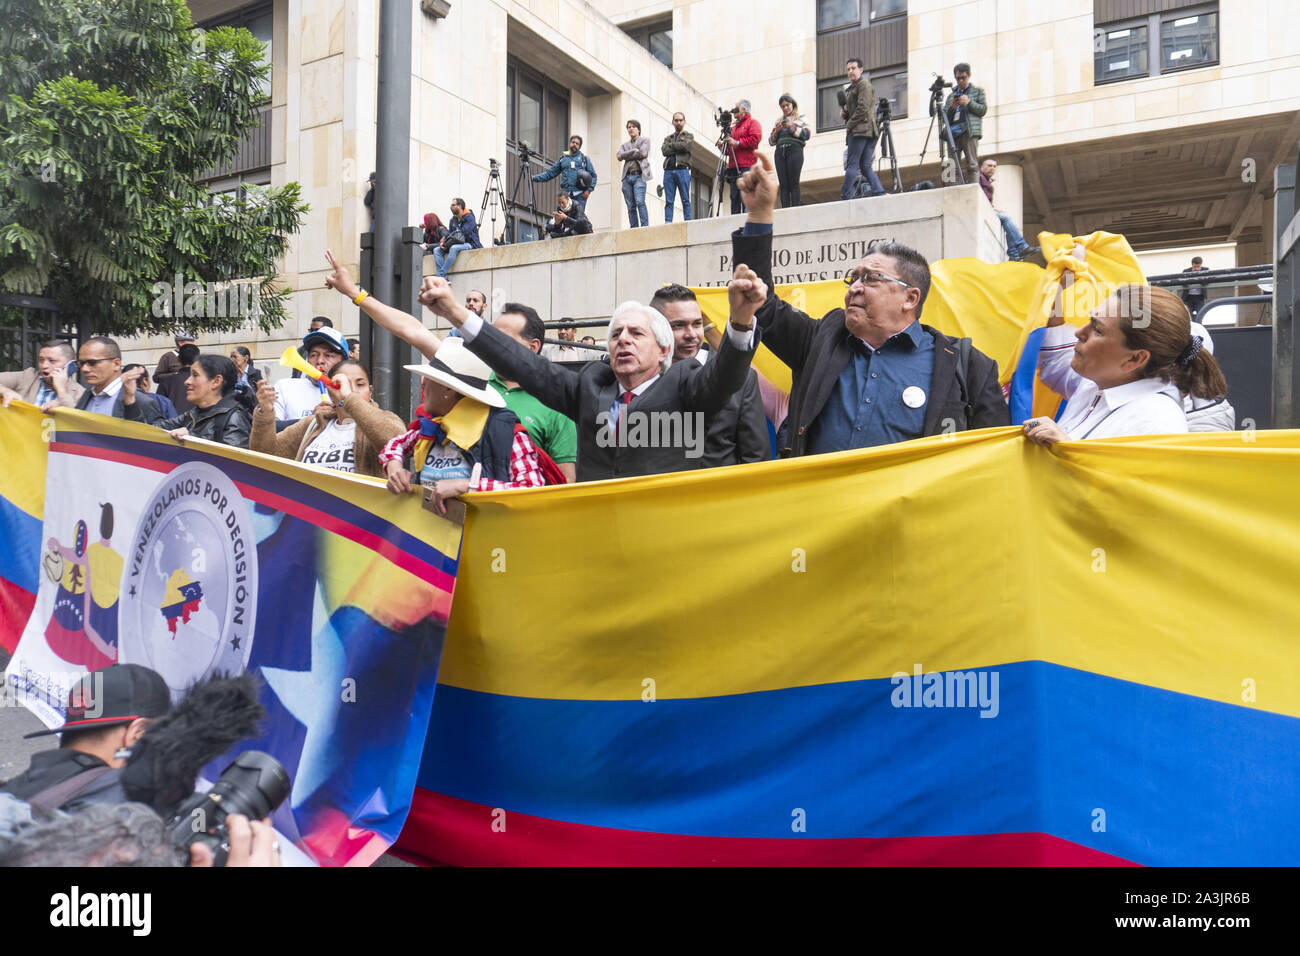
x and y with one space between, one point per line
108 391
738 433
640 414
870 373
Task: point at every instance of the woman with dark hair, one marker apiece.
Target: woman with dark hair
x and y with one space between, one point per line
788 135
248 373
1127 370
217 414
345 436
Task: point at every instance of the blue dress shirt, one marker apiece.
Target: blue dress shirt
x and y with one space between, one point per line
881 396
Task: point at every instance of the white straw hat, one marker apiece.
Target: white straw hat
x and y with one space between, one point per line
462 371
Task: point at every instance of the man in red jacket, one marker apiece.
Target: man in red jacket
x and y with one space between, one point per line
746 133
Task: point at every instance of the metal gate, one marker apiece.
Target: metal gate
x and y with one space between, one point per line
26 321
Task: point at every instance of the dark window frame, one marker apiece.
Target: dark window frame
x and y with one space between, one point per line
643 32
519 222
241 18
1154 24
864 20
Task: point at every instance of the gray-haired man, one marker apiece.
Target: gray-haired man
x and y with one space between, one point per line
746 134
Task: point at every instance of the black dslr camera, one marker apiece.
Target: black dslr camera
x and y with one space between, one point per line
254 784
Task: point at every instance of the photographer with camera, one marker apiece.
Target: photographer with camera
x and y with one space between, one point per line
965 108
742 136
108 712
859 114
577 175
788 136
568 220
462 234
677 167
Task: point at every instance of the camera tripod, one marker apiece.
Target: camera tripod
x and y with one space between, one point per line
945 131
494 194
726 156
884 118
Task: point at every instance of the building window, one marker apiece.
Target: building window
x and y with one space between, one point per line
837 14
828 105
256 20
657 37
1155 44
891 84
833 14
880 9
1189 41
537 116
874 31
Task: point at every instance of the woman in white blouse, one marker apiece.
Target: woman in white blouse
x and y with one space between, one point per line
1126 370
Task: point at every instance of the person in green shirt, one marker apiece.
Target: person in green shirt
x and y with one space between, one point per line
554 433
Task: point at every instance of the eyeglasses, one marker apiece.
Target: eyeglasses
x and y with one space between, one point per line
872 277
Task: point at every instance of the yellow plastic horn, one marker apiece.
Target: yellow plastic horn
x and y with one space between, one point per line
292 359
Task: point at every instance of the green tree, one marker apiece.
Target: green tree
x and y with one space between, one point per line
109 109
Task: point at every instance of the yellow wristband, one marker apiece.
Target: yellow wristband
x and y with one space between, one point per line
360 297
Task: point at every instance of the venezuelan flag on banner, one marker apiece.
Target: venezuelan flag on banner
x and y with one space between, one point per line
996 305
197 558
964 649
23 430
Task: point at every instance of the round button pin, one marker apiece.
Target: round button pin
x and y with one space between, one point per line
913 397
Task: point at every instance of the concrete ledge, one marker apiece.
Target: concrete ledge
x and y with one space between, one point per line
586 277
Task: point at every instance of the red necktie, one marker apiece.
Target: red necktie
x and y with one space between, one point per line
623 399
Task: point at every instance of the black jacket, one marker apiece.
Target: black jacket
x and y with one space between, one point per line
575 225
737 435
51 767
227 422
818 351
586 395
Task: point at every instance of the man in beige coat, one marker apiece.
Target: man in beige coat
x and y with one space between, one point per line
52 383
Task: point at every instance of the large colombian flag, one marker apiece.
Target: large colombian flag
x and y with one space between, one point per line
961 650
196 558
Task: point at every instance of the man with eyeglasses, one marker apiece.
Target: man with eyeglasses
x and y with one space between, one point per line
100 361
870 373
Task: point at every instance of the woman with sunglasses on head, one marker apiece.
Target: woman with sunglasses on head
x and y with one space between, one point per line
345 434
1125 372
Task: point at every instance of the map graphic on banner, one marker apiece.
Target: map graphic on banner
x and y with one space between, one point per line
199 559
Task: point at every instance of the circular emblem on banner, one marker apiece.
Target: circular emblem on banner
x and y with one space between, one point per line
189 588
913 397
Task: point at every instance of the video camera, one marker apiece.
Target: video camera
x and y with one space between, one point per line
939 84
883 110
723 117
